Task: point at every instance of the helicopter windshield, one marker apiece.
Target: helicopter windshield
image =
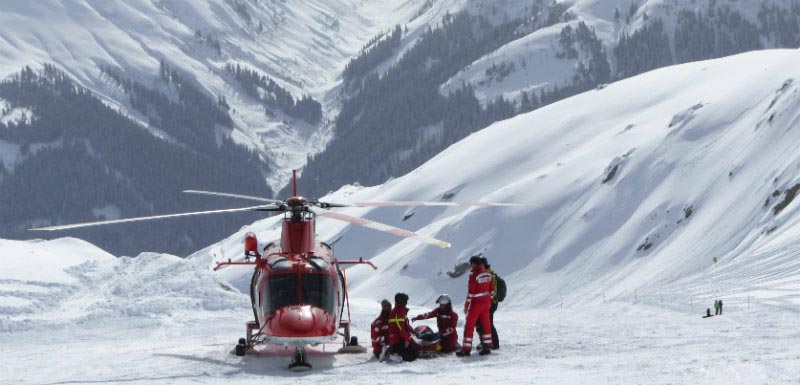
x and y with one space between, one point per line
282 292
318 291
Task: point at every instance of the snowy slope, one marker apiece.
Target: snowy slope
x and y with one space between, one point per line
301 45
719 137
696 150
682 139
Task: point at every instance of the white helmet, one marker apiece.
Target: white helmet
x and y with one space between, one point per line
443 299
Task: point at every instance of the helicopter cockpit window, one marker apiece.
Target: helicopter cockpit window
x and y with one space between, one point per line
319 263
279 263
318 291
282 291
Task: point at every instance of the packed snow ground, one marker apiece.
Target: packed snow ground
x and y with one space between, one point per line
103 324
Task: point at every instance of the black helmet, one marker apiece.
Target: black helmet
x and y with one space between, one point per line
401 298
424 333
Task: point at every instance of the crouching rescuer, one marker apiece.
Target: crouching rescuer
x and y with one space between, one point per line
446 321
400 331
478 307
380 330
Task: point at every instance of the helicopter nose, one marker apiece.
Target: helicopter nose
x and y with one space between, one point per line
297 319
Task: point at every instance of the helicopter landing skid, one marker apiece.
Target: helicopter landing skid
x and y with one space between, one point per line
352 346
299 360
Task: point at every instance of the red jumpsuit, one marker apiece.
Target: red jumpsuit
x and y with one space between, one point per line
399 328
400 333
478 306
446 321
380 334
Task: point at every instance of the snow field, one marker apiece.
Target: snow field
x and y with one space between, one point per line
610 343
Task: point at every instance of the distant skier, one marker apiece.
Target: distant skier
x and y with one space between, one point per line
478 307
446 321
499 295
400 331
717 307
708 313
380 330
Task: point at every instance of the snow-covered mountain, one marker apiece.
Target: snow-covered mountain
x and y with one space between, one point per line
215 80
652 197
302 46
637 187
128 103
552 56
510 57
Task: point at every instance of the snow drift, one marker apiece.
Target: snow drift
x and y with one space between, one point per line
68 282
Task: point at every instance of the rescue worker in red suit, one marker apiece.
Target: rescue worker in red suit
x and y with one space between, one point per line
380 330
251 250
400 344
446 320
478 307
495 337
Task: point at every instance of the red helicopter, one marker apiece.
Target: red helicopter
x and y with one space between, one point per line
298 290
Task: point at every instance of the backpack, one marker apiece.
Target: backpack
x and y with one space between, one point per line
501 288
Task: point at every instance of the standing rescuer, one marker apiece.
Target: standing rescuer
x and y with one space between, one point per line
400 331
499 295
380 330
478 307
446 321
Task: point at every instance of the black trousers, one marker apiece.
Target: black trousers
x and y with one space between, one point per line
408 353
495 338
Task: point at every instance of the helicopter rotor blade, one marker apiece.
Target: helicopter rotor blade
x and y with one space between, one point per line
379 226
229 195
152 217
328 205
418 203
